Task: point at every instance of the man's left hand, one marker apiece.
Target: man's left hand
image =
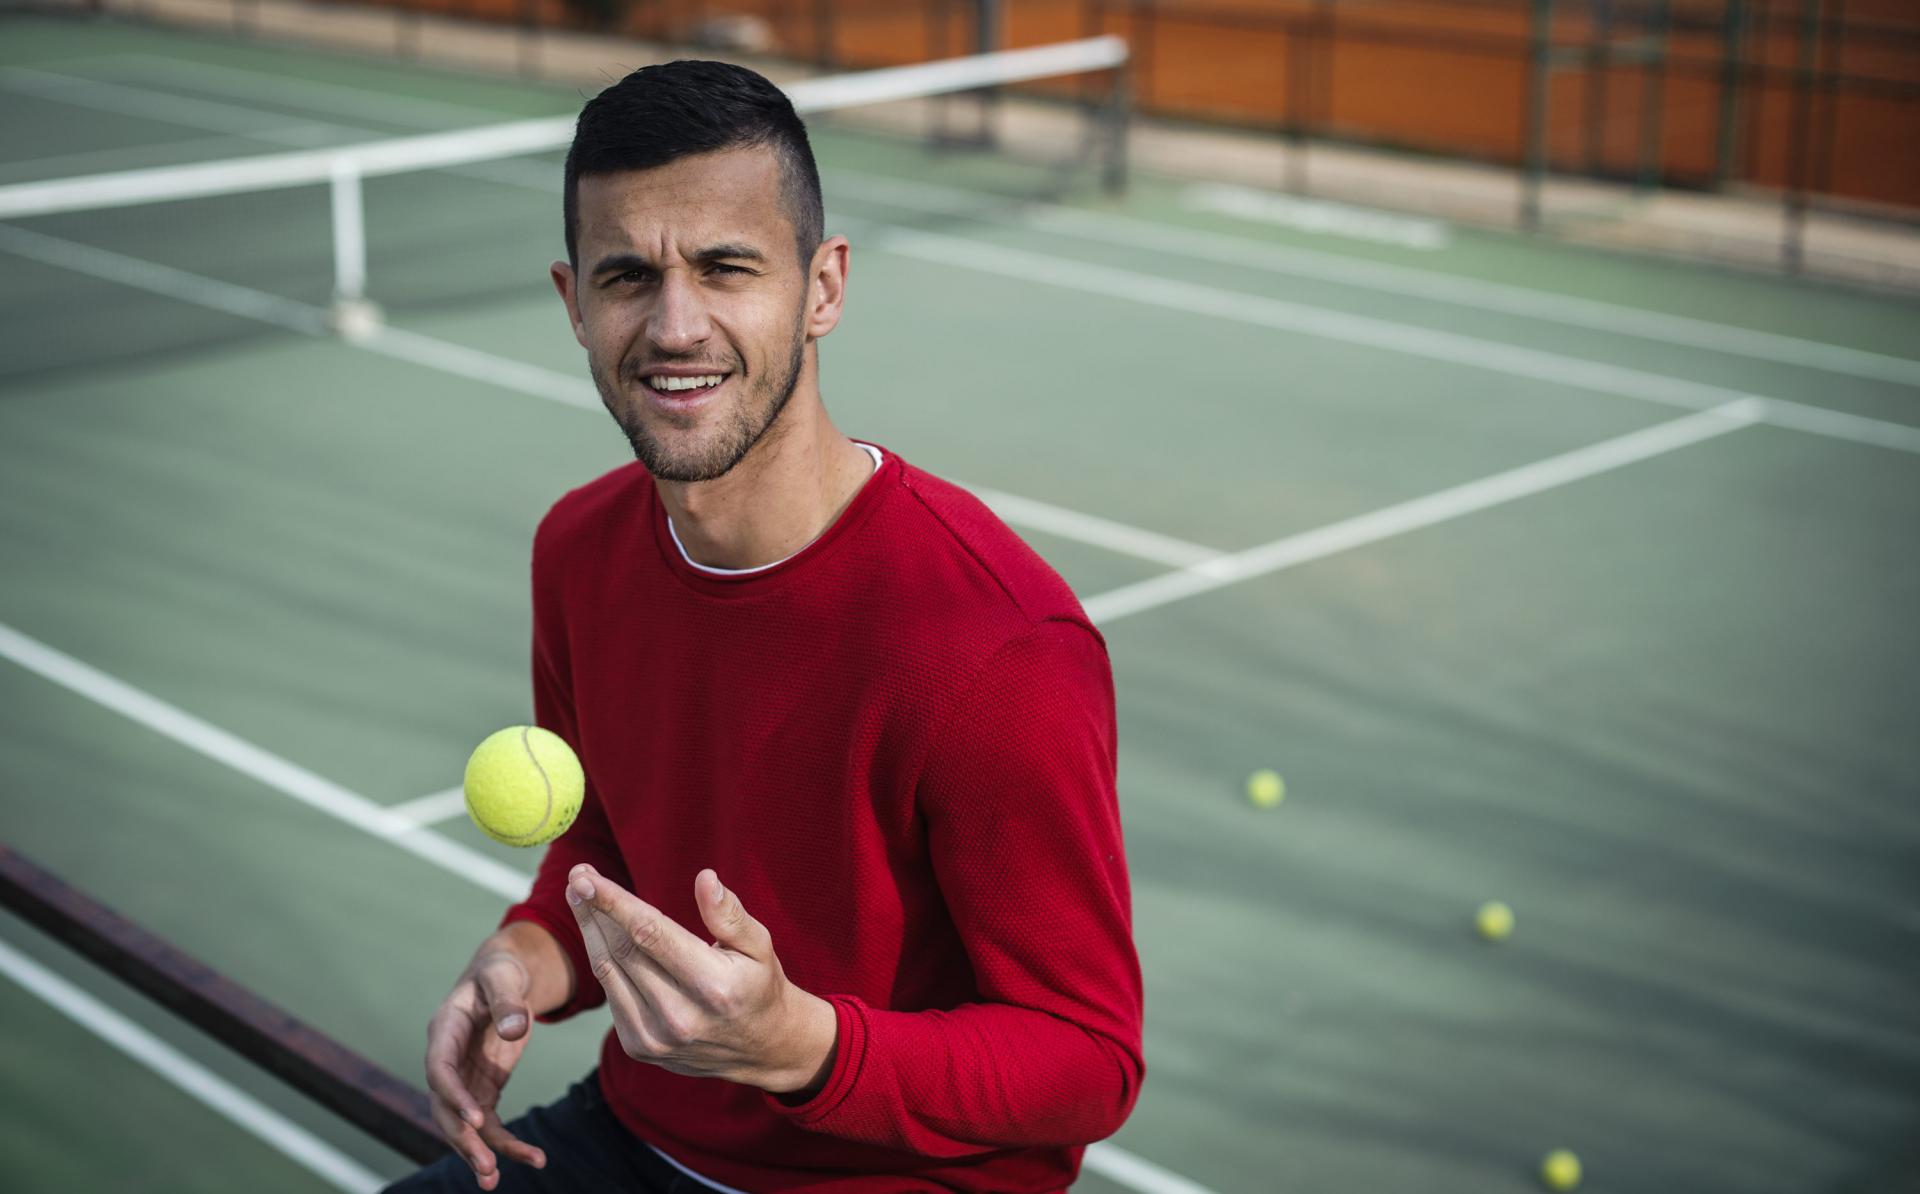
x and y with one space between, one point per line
724 1010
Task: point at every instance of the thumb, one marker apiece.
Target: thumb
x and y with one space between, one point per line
726 918
504 984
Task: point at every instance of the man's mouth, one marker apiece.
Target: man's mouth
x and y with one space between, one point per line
679 386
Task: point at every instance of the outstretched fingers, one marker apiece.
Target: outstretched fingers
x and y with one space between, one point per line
449 1036
506 1144
465 1140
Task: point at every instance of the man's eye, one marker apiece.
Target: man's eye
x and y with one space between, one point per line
723 268
632 275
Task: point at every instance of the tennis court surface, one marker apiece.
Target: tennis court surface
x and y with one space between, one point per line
1586 583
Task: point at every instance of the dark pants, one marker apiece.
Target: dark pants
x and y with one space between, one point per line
586 1147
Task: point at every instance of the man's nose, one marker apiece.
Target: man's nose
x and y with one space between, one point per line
679 323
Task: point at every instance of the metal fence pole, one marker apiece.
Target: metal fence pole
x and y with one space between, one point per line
823 34
1733 48
939 24
1141 58
1300 36
1653 98
1534 169
1793 240
1831 52
1599 61
1093 22
1119 121
529 40
987 39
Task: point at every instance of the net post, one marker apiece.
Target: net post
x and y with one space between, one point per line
353 316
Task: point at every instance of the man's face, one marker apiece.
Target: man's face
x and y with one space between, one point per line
692 305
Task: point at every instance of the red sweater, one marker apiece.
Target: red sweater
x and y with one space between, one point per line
898 748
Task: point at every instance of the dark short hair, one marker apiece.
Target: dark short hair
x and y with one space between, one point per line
661 113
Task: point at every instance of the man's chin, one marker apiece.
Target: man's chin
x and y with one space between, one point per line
682 463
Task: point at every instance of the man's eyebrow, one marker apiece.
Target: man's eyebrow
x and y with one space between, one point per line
623 262
729 252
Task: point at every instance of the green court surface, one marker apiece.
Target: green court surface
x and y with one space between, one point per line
1583 582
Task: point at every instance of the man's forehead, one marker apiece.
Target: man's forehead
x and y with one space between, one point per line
732 195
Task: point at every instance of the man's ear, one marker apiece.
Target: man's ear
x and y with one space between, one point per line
827 286
563 281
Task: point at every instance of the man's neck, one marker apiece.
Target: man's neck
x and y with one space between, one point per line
785 492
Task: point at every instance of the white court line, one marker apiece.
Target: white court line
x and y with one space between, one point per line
539 382
287 778
432 809
359 103
211 115
471 363
1116 537
1442 506
276 1131
1319 217
1432 344
1137 1172
1549 306
61 165
533 380
150 276
1029 513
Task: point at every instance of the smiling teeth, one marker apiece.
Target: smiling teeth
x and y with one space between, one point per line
687 383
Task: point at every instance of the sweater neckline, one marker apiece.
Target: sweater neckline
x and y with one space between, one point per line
760 580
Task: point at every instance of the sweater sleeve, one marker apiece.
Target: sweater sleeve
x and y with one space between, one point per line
1023 827
590 838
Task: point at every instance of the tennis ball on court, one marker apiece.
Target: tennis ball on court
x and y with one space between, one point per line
524 786
1560 1170
1265 788
1494 920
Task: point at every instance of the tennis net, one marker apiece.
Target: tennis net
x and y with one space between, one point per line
117 267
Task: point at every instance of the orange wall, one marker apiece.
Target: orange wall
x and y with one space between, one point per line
1448 76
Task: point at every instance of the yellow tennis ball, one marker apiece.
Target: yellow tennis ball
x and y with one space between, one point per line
524 786
1560 1170
1494 920
1265 788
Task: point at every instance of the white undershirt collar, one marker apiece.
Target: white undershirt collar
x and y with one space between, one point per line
681 548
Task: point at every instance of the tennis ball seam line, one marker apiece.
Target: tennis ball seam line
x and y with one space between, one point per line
526 743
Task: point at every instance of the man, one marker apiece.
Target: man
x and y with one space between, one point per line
849 872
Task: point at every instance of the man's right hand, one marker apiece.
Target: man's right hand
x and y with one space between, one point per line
473 1041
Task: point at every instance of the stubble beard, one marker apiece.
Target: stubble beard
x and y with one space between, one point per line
749 424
